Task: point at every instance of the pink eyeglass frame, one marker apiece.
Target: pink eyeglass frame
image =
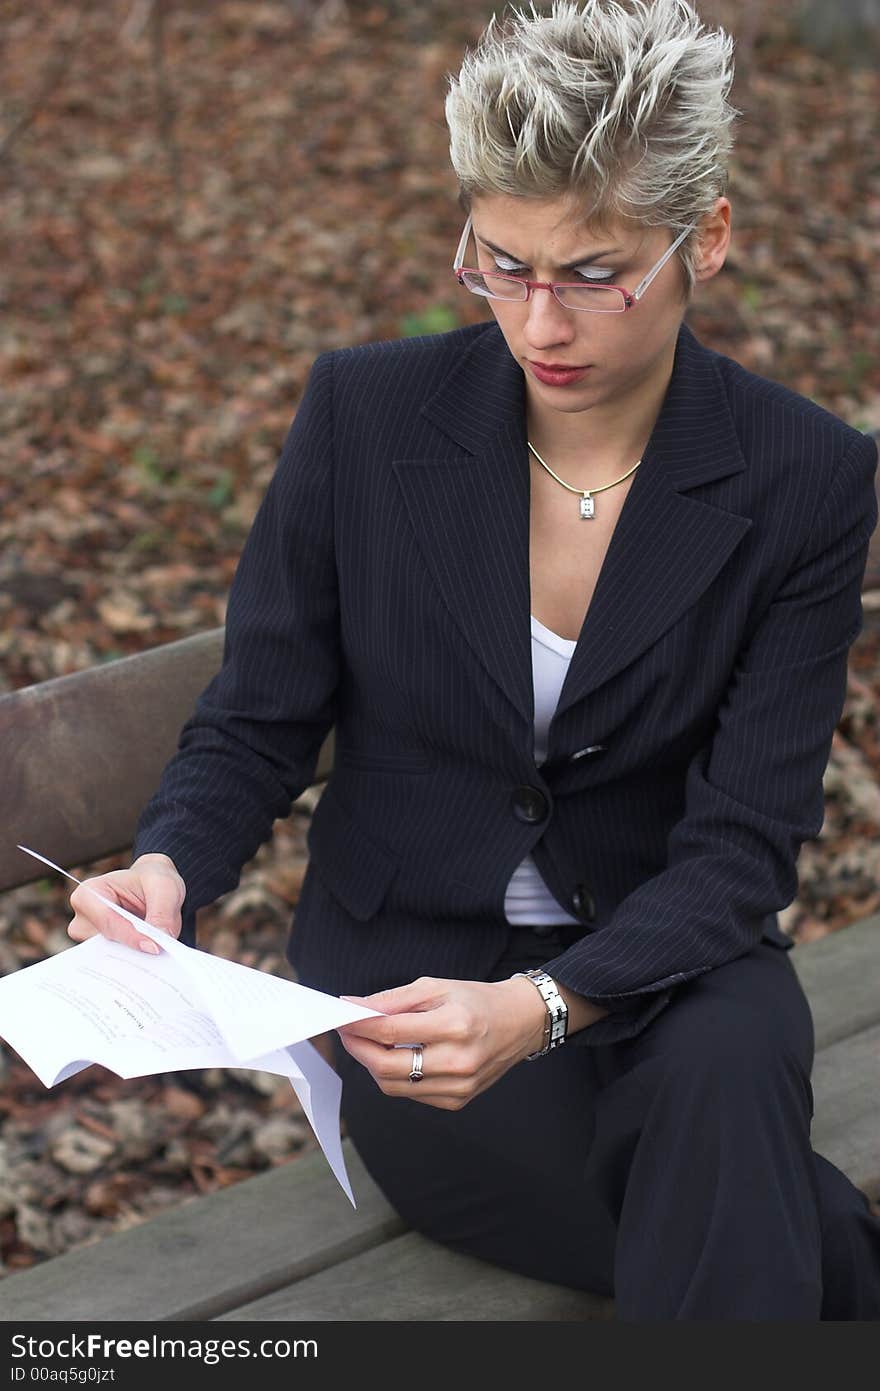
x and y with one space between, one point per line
629 297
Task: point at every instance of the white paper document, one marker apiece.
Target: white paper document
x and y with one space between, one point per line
136 1014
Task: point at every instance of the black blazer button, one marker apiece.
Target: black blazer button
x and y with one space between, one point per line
529 804
583 903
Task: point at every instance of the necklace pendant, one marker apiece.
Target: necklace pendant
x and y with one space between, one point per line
588 507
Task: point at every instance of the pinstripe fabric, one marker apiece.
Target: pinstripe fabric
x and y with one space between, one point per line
384 590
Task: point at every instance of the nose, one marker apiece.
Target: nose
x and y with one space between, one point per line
548 322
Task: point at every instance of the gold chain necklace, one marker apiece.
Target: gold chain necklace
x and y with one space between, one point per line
588 507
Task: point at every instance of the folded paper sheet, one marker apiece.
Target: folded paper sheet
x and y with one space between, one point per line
136 1014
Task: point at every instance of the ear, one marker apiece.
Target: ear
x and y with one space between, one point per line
713 236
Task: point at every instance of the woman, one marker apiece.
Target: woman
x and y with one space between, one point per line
576 595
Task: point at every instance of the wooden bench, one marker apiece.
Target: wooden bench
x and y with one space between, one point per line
82 755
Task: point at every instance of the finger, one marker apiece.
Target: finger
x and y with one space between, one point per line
163 906
404 1030
414 1012
80 928
391 1068
92 916
424 993
155 894
442 1062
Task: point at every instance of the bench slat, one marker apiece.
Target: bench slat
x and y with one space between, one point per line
212 1252
846 1129
413 1278
841 976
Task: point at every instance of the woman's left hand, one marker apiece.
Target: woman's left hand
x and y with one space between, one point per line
470 1033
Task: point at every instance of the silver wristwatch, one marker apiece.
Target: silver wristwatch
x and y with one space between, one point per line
556 1026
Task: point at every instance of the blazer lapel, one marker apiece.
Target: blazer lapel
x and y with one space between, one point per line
667 546
470 510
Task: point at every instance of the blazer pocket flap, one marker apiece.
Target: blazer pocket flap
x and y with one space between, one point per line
356 869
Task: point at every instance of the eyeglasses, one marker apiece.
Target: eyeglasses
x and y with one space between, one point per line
595 299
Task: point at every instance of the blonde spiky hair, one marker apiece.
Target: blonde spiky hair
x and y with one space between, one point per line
621 105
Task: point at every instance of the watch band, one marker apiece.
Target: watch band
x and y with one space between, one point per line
556 1025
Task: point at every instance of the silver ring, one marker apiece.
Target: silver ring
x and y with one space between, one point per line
416 1074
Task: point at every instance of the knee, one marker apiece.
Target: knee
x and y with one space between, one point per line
740 1059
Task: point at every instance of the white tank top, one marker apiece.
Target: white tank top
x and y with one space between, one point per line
528 900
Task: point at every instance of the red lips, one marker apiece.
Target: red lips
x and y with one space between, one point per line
556 374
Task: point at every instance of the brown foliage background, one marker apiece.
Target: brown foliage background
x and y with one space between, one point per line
197 198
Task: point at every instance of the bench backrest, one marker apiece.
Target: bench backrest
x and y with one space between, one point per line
82 754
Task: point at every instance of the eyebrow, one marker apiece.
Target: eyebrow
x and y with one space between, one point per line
569 265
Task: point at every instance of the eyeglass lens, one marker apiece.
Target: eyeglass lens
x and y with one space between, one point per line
598 299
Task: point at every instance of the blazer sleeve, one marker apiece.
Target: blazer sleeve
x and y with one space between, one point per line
754 792
251 745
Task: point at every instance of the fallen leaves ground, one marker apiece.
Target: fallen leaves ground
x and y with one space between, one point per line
197 198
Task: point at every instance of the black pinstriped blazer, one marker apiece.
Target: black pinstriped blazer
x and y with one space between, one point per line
384 590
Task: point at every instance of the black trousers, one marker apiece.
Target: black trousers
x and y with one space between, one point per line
673 1170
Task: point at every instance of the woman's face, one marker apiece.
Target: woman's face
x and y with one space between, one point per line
621 356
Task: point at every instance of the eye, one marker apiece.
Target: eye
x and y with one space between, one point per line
595 273
504 263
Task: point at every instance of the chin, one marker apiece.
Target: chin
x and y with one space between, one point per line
571 398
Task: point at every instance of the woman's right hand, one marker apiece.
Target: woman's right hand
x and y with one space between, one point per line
151 888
